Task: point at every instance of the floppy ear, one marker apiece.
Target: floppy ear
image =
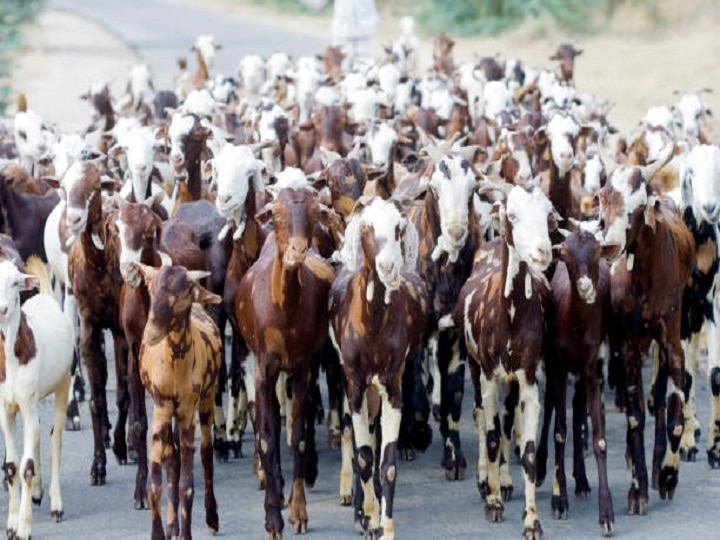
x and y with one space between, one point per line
203 296
264 215
147 272
652 205
609 252
28 282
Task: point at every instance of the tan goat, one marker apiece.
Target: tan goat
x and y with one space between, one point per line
179 361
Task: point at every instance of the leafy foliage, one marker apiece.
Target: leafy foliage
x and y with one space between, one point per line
13 13
467 17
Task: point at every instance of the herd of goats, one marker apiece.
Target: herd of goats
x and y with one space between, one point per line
389 225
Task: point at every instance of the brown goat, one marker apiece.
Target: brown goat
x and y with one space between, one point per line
94 272
657 253
501 311
378 311
179 361
580 304
281 306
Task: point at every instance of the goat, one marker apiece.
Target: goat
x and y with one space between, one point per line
378 310
281 306
579 307
179 362
648 276
500 310
36 355
95 276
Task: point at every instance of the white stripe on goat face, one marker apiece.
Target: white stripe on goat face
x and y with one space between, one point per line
691 108
521 155
381 139
128 256
206 45
561 131
498 97
140 151
180 128
633 197
387 224
593 172
233 170
527 213
10 279
454 183
700 176
79 196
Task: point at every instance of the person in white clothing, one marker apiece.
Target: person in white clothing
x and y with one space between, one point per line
353 25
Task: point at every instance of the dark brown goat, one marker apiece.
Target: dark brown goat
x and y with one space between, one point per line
647 283
94 272
566 54
282 310
577 327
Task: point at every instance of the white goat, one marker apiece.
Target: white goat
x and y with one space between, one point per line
38 353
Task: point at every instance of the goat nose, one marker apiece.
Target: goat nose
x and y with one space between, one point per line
225 198
566 154
709 208
3 311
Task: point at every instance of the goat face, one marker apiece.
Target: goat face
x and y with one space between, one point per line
700 176
187 136
81 184
581 254
383 234
139 148
294 212
562 131
529 216
453 183
12 281
139 229
233 171
173 290
381 139
32 138
622 204
691 110
206 46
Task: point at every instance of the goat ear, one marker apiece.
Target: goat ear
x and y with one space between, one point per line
203 296
147 272
652 205
28 282
52 181
609 252
264 215
558 251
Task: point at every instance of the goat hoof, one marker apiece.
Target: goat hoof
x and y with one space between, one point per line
667 481
333 439
222 452
36 500
506 492
407 454
10 534
689 454
494 512
72 423
57 515
345 500
299 527
436 412
637 505
607 527
533 533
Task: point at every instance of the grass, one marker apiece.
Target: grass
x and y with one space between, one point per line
13 14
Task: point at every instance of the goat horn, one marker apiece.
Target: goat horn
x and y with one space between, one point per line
486 186
197 275
652 169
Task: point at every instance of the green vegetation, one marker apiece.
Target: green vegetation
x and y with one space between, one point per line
13 13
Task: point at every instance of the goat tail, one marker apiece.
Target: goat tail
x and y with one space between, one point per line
36 267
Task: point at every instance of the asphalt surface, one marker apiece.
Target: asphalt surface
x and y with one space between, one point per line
426 505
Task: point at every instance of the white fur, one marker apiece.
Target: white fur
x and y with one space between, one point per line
380 140
32 139
454 196
617 230
206 45
700 179
691 109
234 168
48 372
559 129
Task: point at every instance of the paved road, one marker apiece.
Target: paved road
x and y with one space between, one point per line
160 31
426 505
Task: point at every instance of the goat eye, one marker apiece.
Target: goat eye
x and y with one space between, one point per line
22 135
511 216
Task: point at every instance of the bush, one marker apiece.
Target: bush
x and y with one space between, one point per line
468 17
13 13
